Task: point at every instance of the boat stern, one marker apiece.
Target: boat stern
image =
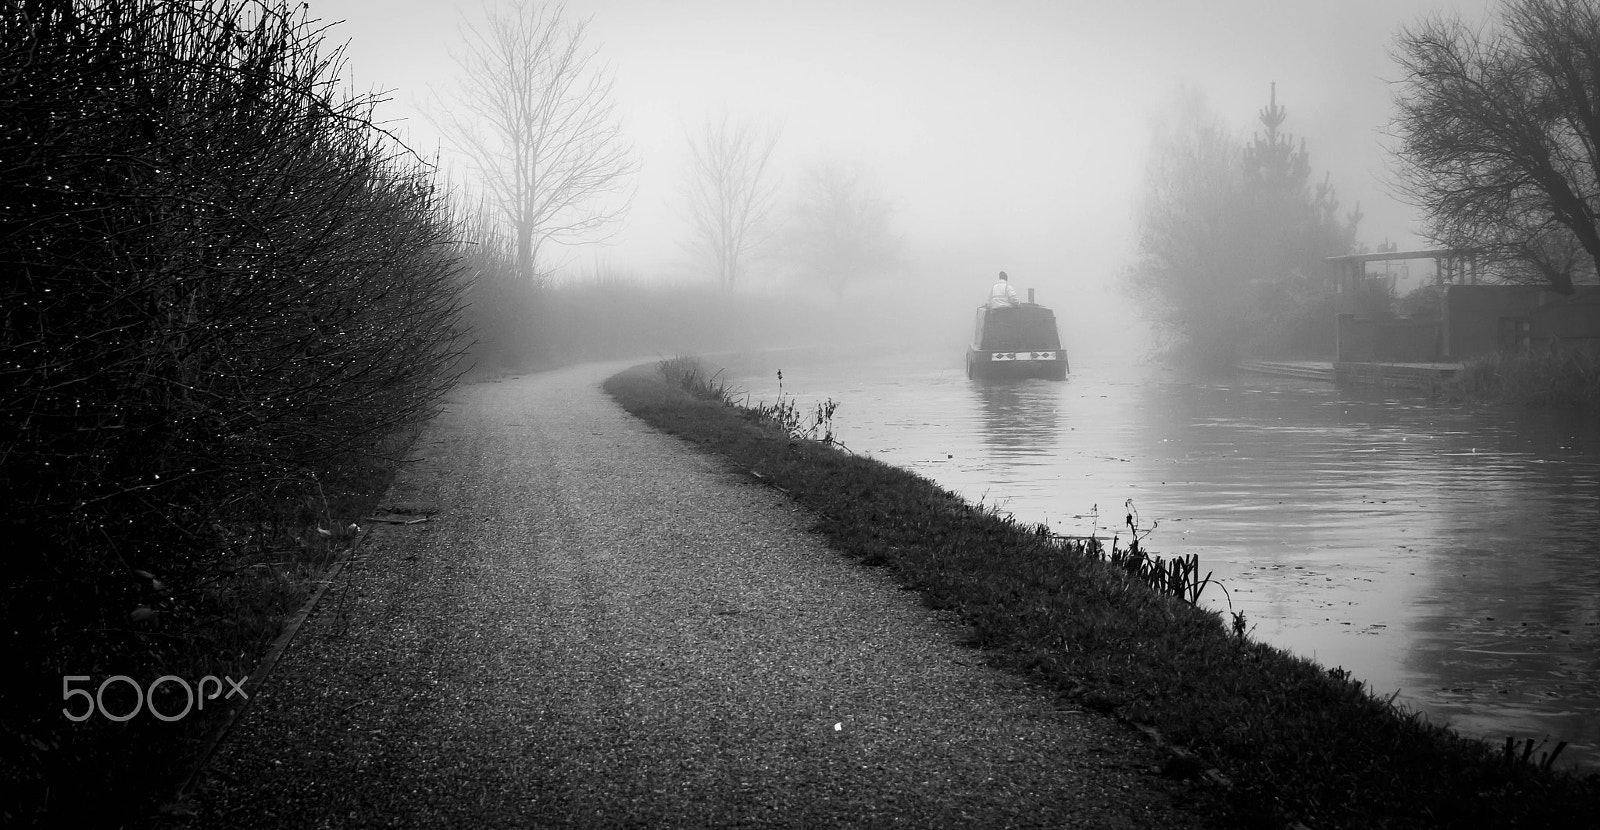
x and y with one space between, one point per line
1050 364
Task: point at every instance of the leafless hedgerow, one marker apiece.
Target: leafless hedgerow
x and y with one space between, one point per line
218 277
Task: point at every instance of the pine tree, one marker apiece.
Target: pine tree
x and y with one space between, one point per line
1298 226
1233 240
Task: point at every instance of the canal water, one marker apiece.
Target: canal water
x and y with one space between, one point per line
1445 553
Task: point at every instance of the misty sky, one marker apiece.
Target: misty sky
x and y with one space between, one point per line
1009 134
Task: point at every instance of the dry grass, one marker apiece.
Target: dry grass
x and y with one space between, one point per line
1555 379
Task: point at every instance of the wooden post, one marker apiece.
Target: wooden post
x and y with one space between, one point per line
1439 266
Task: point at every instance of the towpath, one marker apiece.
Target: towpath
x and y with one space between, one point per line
601 627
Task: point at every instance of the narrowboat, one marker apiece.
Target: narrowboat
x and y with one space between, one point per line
1016 342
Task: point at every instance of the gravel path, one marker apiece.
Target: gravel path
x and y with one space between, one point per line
602 627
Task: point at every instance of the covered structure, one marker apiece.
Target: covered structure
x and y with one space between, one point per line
1472 318
1452 266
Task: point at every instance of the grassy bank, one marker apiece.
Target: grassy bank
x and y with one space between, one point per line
1266 738
1554 379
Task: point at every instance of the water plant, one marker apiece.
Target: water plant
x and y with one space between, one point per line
688 374
784 413
1546 760
1177 577
1554 377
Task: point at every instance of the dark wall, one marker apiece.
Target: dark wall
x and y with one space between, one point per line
1022 328
1475 314
1484 318
1365 339
1357 339
1480 319
1569 321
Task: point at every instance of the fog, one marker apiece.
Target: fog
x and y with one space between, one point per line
1008 137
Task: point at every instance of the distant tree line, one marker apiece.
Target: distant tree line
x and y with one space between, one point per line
532 112
219 279
835 230
1232 237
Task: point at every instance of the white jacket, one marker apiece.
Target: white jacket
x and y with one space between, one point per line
1002 295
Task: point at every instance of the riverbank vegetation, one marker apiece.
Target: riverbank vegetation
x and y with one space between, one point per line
1547 379
1267 739
228 298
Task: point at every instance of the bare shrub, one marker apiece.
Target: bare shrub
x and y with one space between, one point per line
221 282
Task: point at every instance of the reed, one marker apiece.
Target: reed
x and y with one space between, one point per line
1555 378
688 374
1177 577
785 413
1546 760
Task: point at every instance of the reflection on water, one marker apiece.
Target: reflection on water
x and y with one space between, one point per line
1019 419
1450 554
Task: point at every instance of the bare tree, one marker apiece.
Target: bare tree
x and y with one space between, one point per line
1500 134
841 228
534 113
1192 221
729 193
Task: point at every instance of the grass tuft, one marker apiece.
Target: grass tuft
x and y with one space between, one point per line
688 374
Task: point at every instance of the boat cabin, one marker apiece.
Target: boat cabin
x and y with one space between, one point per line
1017 342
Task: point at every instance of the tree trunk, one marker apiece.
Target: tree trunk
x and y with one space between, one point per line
525 252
